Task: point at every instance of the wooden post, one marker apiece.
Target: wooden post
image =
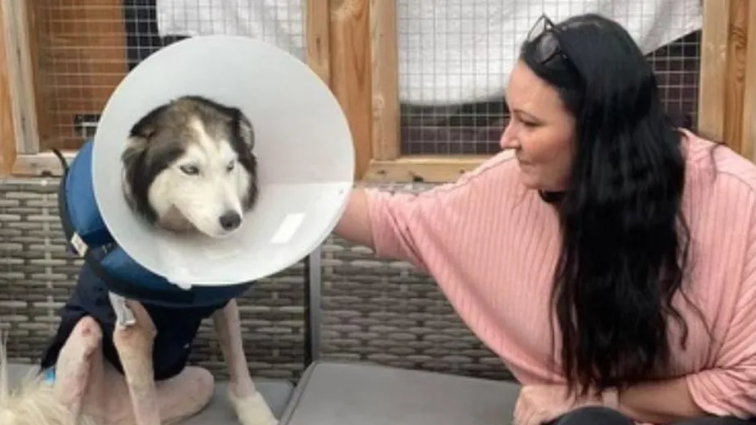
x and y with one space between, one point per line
727 95
711 93
735 78
7 132
748 130
19 89
318 40
351 73
339 51
385 80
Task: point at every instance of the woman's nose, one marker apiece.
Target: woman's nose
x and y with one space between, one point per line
508 138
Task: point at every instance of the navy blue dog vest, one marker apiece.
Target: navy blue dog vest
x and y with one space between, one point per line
177 313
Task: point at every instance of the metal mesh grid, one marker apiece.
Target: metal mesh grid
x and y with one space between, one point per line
80 60
85 49
433 35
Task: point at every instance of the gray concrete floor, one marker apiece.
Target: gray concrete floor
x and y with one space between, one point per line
276 392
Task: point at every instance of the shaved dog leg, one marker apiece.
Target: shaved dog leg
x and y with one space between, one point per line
134 345
250 406
74 366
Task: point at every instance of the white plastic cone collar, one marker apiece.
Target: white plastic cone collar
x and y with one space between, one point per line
302 142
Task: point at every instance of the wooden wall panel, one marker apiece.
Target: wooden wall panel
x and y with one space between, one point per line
81 59
7 133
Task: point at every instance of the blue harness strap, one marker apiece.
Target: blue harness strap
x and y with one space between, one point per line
88 236
49 375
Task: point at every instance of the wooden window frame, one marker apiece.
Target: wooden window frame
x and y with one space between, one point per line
346 39
19 137
346 42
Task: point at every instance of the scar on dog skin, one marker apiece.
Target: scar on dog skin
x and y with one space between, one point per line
33 402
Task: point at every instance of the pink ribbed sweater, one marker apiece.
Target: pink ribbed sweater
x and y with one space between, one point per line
491 244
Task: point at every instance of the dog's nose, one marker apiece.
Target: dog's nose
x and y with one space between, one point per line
230 220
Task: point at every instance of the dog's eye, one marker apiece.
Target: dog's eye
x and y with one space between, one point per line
189 169
230 165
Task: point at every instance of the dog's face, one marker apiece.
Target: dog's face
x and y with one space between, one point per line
189 166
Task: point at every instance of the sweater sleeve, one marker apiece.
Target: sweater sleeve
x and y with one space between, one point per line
729 388
420 228
403 224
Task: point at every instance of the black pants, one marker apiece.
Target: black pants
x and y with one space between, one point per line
602 416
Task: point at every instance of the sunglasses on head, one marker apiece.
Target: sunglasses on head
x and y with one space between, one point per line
548 46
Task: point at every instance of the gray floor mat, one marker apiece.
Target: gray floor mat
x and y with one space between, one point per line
340 393
276 392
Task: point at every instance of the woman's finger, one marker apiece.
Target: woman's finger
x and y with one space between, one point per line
529 417
523 411
516 413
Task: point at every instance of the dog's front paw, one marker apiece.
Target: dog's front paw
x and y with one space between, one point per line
252 409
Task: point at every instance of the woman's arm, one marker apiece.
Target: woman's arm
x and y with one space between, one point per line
413 226
728 386
662 402
391 223
354 224
659 402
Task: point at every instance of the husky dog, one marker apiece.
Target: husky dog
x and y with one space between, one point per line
188 167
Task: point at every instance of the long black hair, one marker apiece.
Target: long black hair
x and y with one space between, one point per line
624 241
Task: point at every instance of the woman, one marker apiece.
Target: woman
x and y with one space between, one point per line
609 261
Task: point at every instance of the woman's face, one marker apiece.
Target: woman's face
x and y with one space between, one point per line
541 131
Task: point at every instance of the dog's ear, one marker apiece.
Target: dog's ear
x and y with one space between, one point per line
246 131
136 146
134 159
134 152
146 127
245 134
136 178
242 126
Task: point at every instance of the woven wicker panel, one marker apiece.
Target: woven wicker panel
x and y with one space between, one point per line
37 275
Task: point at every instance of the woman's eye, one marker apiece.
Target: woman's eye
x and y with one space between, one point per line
189 169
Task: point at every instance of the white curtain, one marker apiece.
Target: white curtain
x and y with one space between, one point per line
450 51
